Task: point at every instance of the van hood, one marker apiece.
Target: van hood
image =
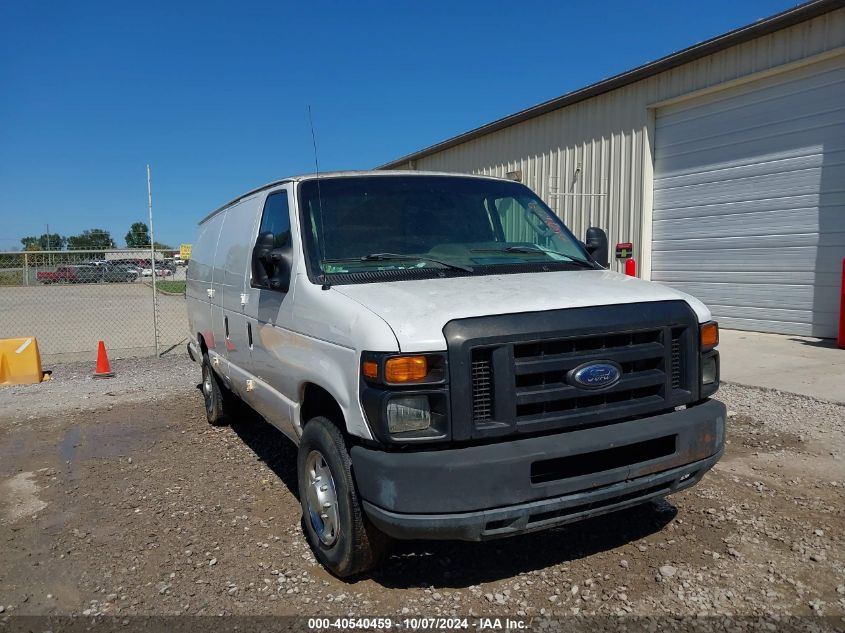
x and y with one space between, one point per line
417 310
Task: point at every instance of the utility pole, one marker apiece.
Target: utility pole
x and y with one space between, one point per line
152 256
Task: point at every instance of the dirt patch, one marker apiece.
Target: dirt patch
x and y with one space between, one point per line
149 510
20 497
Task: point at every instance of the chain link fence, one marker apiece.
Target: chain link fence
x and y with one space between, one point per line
70 300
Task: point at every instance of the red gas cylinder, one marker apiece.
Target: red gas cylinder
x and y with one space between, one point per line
631 267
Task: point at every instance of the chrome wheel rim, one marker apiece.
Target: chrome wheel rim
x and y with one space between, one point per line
321 498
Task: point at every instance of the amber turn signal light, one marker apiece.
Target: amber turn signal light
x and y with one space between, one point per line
370 369
709 335
405 369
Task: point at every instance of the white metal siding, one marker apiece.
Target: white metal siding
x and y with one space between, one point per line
749 200
608 136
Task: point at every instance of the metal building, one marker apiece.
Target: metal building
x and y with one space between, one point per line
723 163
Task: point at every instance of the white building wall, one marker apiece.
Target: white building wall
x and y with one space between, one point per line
603 145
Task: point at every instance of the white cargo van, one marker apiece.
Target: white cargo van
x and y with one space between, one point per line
451 361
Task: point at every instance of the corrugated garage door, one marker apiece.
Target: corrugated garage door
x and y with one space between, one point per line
749 200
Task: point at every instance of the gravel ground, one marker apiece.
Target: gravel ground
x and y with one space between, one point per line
72 386
116 497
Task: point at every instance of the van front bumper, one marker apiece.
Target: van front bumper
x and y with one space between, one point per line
509 487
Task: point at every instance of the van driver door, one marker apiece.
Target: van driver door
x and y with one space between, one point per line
268 311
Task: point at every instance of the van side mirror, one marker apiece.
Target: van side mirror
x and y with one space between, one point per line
596 243
271 264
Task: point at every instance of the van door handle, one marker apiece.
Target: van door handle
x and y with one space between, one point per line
249 334
226 325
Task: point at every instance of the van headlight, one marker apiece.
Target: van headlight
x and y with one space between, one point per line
709 370
405 397
708 361
408 413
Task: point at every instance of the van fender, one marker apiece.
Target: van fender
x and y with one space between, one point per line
327 366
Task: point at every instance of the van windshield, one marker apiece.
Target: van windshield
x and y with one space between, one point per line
360 224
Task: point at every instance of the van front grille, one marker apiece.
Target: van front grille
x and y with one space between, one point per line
543 389
514 373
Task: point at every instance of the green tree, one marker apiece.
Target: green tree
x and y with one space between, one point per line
138 236
46 242
163 247
91 239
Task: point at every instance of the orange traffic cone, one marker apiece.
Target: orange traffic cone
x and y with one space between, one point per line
103 369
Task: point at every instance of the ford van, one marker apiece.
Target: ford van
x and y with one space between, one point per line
451 361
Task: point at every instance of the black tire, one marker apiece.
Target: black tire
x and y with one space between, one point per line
358 546
220 403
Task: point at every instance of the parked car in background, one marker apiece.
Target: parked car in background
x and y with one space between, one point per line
80 274
160 272
133 262
62 275
89 274
119 273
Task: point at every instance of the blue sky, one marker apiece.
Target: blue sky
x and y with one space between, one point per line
214 94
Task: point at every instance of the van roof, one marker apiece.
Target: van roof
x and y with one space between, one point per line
337 174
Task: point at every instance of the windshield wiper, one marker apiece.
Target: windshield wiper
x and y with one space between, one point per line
378 257
535 250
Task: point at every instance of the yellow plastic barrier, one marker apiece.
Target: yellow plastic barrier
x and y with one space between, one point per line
20 361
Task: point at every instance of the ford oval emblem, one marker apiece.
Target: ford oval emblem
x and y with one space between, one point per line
595 375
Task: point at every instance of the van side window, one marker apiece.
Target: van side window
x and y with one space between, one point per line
271 255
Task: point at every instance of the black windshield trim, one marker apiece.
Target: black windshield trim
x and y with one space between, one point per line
411 274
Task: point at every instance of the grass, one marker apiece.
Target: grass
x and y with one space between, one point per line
11 278
174 287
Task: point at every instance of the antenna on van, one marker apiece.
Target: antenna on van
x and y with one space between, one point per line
319 195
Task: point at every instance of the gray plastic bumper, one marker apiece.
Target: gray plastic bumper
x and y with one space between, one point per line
486 491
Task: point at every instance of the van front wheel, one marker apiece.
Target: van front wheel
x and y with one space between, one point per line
340 535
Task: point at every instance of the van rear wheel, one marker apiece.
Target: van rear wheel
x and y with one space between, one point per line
219 401
337 529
